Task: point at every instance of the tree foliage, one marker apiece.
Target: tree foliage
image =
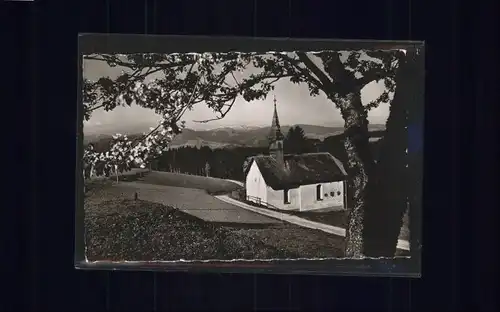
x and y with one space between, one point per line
296 141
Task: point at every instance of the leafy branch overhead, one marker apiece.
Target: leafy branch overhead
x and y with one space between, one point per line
221 78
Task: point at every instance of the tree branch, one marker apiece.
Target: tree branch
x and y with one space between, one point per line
160 66
376 72
223 114
235 80
337 70
325 81
302 71
93 108
371 75
130 81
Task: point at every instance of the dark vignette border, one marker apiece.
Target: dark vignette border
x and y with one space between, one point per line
121 43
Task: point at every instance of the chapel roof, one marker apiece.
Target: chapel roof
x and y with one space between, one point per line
299 170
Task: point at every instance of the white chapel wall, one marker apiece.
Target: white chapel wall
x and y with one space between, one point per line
276 198
255 185
332 195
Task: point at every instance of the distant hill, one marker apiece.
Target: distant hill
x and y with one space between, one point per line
227 137
238 137
98 132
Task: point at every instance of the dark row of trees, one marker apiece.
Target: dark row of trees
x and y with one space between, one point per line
227 163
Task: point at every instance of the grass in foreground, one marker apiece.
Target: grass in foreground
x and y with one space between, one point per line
123 229
137 230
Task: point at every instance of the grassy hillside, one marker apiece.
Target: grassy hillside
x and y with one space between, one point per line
124 229
210 185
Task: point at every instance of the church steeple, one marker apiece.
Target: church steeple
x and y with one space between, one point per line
276 137
275 134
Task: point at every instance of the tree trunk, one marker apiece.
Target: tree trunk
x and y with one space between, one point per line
384 219
360 165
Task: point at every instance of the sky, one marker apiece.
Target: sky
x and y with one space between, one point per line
294 105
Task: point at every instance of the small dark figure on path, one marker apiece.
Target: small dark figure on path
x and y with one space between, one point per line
136 196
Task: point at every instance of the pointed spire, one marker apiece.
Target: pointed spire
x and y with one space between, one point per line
275 126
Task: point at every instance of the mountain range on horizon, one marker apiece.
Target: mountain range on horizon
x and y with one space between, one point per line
225 137
111 129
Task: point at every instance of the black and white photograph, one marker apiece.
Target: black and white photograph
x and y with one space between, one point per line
245 156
